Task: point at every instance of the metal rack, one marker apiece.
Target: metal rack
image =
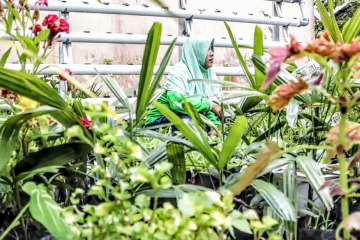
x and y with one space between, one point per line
186 16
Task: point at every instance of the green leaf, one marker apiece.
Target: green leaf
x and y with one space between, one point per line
46 211
5 57
148 63
232 141
160 72
352 27
278 202
42 170
10 129
258 50
53 156
31 87
273 129
203 148
117 90
14 11
329 22
191 110
43 35
240 57
28 44
316 179
176 156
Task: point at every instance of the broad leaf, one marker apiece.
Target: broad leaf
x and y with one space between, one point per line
31 87
53 156
10 129
176 156
316 179
276 200
203 148
232 141
46 211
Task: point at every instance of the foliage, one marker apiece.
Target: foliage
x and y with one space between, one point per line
124 180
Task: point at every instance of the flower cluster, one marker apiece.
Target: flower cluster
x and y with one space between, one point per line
85 122
56 24
323 46
7 94
282 95
36 29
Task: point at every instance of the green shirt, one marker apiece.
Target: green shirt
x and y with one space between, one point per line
169 99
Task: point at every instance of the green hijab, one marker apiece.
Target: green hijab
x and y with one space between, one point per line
192 66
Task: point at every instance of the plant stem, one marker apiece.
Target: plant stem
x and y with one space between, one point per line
18 203
343 173
14 223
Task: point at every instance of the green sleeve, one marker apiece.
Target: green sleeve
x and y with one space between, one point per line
175 98
201 104
212 117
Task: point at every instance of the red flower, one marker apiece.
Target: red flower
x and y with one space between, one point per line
51 121
36 29
67 70
56 25
6 93
86 122
42 2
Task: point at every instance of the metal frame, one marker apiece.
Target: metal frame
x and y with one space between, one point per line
121 38
85 7
186 27
65 54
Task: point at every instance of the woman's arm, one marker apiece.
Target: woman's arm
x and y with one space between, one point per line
175 98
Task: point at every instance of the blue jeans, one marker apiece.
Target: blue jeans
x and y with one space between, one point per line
164 120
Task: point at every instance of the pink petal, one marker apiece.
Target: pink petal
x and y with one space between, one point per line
271 73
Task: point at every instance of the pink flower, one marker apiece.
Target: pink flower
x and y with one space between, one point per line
11 1
67 70
36 30
86 122
42 2
278 56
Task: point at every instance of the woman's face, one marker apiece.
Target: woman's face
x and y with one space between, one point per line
209 58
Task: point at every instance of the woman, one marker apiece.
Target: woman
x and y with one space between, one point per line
197 61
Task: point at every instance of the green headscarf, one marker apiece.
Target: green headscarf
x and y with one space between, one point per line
192 66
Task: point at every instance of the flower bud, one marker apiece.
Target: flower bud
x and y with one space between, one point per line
36 14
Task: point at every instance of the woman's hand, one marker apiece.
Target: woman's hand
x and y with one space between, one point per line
217 110
212 133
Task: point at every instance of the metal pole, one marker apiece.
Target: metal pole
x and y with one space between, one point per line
65 56
159 12
276 28
121 38
87 69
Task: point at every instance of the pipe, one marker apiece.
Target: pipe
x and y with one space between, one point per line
159 12
87 69
120 38
305 21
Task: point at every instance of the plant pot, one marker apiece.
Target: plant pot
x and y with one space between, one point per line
303 188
